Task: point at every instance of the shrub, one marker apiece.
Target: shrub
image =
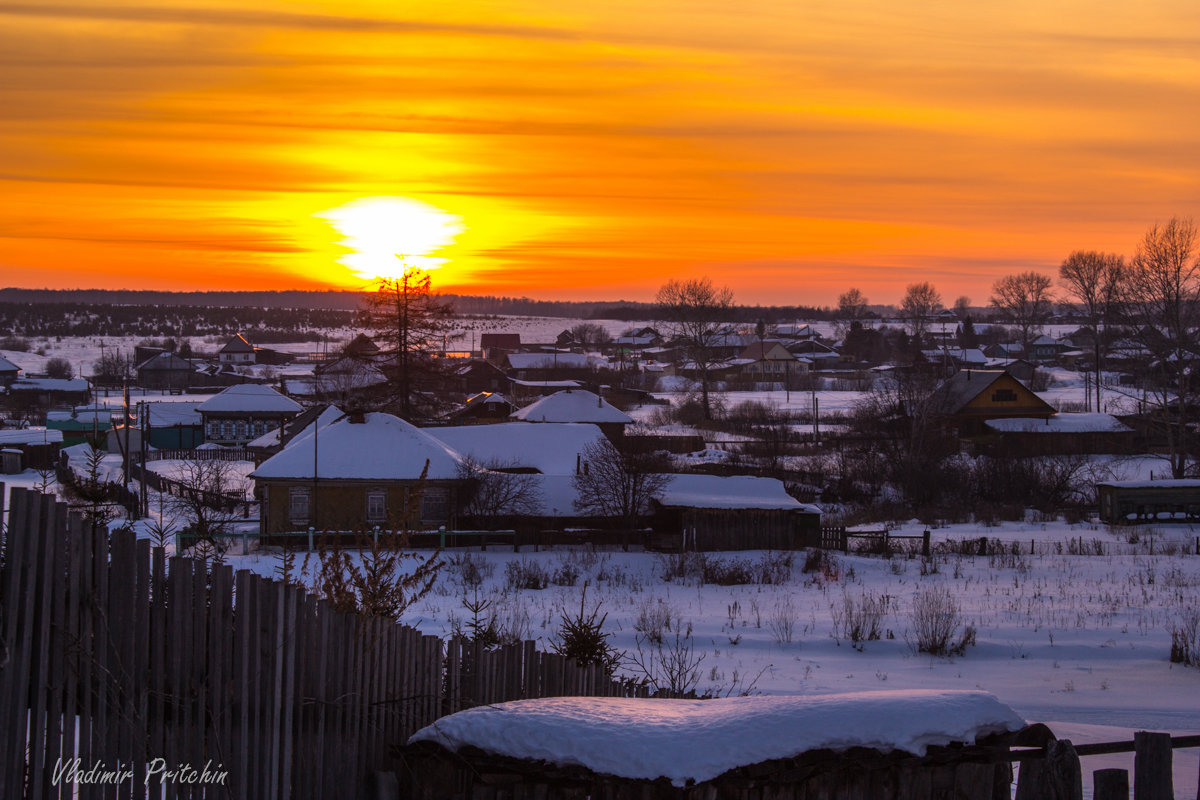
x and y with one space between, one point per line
782 621
936 619
525 574
470 569
860 620
1185 638
59 368
654 617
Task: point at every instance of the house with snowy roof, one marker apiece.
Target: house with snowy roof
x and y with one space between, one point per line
363 470
577 405
970 397
44 393
243 412
8 371
483 407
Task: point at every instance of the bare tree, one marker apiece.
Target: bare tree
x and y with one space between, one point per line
59 368
590 333
490 492
1026 298
207 494
1094 280
618 484
410 321
919 303
694 311
962 306
1161 304
852 307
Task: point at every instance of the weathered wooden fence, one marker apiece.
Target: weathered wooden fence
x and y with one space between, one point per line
113 654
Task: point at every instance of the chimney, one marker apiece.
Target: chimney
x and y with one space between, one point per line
356 417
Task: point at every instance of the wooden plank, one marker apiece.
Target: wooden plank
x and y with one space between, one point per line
242 642
179 588
60 644
43 573
13 679
72 717
197 663
122 626
290 615
1152 778
157 669
141 668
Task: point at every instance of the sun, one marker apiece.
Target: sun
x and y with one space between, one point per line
378 229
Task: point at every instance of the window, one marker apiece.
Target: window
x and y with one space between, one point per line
1004 396
435 505
376 506
227 430
300 505
239 429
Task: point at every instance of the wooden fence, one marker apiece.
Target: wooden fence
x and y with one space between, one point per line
113 654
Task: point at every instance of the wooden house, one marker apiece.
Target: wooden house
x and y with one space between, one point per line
43 393
38 448
476 375
971 397
165 370
1059 434
483 407
495 346
769 361
8 372
1124 502
357 473
236 351
244 412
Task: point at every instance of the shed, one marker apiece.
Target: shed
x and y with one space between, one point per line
1149 501
884 745
1061 434
577 405
10 461
737 512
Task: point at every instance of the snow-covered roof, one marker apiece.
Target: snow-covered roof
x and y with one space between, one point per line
381 447
734 491
573 405
237 344
51 384
565 384
698 740
548 360
550 448
31 436
249 397
168 415
1176 483
8 366
1061 423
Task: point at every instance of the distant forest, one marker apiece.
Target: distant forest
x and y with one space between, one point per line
279 316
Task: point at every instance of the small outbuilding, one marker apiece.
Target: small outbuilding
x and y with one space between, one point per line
910 745
577 405
737 512
1149 501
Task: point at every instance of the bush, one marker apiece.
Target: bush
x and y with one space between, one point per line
936 619
1185 638
470 569
14 343
654 617
782 621
860 620
59 368
525 574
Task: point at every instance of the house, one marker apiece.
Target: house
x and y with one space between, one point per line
79 424
577 405
244 412
8 372
738 512
1006 351
1044 349
275 440
346 380
476 375
556 364
42 393
361 346
484 407
769 361
166 371
1149 501
1059 434
495 346
359 472
971 397
236 351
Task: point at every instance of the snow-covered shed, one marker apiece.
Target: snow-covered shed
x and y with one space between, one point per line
38 447
889 745
736 512
1060 434
243 412
577 405
1149 501
361 471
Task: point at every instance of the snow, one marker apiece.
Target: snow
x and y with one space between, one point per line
30 436
572 405
52 384
382 447
1176 483
1061 423
736 491
249 397
552 361
551 448
167 415
698 740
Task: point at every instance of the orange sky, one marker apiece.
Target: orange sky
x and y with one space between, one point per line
788 148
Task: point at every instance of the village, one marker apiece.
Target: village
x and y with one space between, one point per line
547 477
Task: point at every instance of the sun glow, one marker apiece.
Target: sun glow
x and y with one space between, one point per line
377 230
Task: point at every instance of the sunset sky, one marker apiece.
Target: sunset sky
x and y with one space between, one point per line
589 149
